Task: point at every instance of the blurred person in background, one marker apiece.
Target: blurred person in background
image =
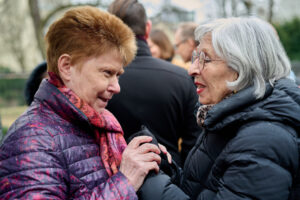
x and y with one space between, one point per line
67 145
154 93
34 80
185 42
250 115
160 45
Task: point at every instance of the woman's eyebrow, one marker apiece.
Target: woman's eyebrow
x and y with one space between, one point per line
206 52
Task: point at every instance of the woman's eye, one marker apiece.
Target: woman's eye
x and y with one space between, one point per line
207 59
107 73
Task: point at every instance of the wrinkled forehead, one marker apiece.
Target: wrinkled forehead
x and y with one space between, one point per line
207 37
205 42
206 46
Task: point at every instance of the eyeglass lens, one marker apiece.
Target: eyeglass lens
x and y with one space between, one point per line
200 56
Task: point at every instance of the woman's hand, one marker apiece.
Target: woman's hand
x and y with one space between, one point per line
164 150
138 160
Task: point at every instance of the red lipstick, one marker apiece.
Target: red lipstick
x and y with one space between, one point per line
200 87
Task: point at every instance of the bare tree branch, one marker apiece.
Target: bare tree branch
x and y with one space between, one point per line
45 20
12 30
270 13
248 4
40 22
233 7
36 18
224 14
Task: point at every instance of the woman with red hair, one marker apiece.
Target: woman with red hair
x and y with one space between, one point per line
67 145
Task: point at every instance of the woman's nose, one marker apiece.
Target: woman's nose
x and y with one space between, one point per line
114 86
193 69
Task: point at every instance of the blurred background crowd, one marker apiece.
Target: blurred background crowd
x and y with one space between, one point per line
24 23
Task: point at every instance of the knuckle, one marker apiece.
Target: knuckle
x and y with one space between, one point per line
155 165
152 156
146 145
155 156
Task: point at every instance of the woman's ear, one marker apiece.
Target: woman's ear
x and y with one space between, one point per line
64 67
236 75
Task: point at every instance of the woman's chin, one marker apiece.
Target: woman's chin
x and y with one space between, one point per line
100 107
202 100
205 101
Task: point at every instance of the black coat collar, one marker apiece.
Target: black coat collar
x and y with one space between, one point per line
143 48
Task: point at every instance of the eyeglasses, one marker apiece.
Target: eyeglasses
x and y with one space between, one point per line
176 46
201 58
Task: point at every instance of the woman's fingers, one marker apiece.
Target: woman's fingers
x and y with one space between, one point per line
137 141
146 153
147 147
153 166
164 150
150 157
141 143
138 158
136 165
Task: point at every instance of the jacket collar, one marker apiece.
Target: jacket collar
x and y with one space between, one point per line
49 95
143 48
243 107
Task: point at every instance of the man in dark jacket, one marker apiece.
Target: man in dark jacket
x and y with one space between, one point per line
154 92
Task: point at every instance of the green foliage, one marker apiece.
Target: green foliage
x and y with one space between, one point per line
4 130
12 91
289 34
5 70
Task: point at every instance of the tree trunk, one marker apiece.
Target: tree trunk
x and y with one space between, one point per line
233 8
19 55
12 31
38 29
40 23
248 4
270 13
224 14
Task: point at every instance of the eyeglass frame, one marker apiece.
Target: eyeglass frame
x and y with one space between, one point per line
201 57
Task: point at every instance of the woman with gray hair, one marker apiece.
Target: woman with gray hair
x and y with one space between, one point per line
250 116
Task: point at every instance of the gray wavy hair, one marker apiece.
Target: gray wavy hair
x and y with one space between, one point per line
251 47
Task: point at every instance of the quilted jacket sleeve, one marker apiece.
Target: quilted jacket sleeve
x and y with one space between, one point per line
33 167
255 166
116 187
160 187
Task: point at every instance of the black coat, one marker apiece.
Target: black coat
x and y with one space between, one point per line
159 95
248 150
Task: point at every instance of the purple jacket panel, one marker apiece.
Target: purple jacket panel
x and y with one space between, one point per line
50 153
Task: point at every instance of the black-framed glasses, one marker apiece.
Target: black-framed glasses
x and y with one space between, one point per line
201 59
176 46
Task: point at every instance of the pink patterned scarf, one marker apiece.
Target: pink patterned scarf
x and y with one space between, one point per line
108 131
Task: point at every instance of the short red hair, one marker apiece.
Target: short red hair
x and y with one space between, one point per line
87 31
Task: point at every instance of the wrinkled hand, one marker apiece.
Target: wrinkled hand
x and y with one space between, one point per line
138 160
164 150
